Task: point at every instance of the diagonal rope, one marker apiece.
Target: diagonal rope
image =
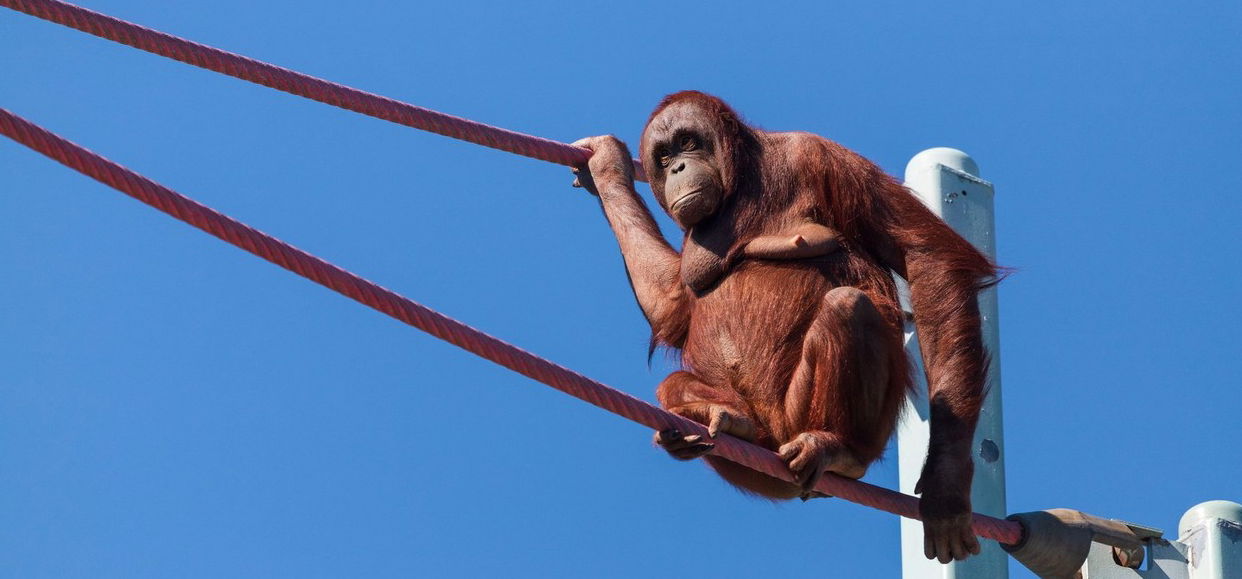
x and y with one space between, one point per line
450 330
304 85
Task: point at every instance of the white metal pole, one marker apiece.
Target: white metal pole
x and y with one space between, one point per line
1208 546
1212 532
947 181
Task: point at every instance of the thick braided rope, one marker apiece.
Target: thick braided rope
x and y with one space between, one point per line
303 85
450 330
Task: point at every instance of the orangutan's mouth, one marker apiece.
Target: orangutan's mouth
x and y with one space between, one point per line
685 199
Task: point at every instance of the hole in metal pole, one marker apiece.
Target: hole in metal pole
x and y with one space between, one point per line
988 450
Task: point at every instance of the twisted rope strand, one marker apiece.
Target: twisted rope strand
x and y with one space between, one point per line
303 85
450 330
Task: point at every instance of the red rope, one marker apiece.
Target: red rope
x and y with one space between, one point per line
303 85
450 330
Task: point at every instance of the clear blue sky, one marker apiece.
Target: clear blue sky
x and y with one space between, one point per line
173 407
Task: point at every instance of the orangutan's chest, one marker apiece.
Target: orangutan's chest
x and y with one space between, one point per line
701 267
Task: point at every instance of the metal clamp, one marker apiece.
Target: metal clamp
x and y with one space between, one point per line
1055 542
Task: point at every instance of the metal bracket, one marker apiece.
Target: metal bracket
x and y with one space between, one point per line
1055 543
